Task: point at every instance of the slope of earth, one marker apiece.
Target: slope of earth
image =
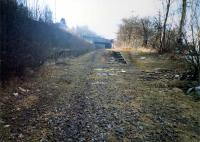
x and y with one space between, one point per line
97 98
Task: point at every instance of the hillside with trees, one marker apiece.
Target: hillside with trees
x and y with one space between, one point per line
29 38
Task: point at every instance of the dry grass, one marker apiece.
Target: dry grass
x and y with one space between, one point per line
162 100
135 50
27 102
144 50
121 49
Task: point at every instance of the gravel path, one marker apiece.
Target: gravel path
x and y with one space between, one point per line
94 98
97 109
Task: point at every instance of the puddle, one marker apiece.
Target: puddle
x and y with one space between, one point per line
98 83
108 72
100 69
122 71
112 74
102 74
142 58
106 69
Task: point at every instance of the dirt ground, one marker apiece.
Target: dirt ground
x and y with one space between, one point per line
95 97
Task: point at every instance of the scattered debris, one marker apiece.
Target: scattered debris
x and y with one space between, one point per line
1 121
20 136
194 91
18 109
109 126
98 83
142 58
102 74
141 127
6 126
197 88
23 90
123 71
112 74
99 69
177 76
16 94
190 90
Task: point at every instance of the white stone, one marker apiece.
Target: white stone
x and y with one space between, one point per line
177 76
142 58
6 126
21 136
189 90
16 94
123 71
22 89
197 88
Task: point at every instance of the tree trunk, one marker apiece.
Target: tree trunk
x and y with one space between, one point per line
145 34
163 43
182 23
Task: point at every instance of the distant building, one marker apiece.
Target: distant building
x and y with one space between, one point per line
99 42
86 34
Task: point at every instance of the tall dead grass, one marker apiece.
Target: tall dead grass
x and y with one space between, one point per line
136 50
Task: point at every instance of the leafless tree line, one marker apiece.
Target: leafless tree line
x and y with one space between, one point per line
38 9
181 36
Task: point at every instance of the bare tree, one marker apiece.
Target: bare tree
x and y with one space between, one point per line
146 24
193 40
134 32
48 15
182 23
163 43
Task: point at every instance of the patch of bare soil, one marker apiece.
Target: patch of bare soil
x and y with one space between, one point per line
96 97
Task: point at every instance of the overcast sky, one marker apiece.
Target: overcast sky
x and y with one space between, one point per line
102 16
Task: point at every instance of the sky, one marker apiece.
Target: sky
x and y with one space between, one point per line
102 16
